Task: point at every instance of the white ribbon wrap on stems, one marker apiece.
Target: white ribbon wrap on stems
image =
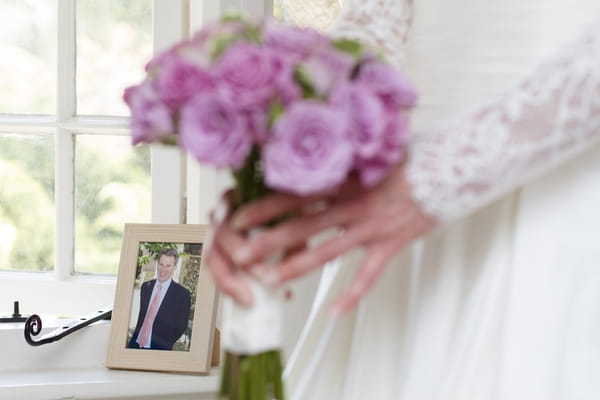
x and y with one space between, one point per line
256 329
259 328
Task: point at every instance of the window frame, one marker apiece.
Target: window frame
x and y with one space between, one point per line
182 191
64 289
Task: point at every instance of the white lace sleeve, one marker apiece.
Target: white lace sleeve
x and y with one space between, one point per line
380 24
553 114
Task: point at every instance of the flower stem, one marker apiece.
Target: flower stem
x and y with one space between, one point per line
249 182
252 377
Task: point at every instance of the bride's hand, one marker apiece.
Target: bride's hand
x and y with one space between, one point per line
382 220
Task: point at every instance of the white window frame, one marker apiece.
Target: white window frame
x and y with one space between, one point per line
205 184
64 292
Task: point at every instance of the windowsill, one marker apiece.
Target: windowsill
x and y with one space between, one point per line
51 276
101 383
73 368
45 293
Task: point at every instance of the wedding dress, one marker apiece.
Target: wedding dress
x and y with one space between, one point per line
502 301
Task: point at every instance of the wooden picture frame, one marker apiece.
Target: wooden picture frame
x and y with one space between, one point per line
147 259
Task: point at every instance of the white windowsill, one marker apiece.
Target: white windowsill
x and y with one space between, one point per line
100 383
73 368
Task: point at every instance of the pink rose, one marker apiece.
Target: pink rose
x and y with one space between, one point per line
366 115
159 59
376 167
179 80
248 73
391 86
151 119
256 124
288 89
217 30
326 69
308 151
214 132
293 42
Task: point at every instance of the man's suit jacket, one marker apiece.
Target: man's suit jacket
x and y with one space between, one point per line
171 318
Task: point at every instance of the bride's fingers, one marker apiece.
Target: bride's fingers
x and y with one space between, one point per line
228 239
266 209
297 231
225 277
315 257
376 260
275 205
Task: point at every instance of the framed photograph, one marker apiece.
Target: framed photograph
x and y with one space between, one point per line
164 312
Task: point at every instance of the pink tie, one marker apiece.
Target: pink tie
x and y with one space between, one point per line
144 335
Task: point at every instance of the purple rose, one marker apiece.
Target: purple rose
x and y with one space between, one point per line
288 89
367 119
248 73
293 42
214 132
373 169
220 29
179 80
308 151
327 68
151 119
256 124
388 83
158 60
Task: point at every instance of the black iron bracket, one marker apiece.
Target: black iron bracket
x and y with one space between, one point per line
16 315
33 327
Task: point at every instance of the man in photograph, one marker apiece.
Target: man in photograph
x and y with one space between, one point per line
164 307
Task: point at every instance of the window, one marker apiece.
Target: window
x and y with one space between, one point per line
51 142
69 177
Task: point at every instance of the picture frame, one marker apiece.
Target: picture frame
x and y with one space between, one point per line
182 323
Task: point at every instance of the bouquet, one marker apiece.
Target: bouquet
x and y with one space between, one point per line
284 109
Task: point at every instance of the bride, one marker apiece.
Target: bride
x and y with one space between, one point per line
477 263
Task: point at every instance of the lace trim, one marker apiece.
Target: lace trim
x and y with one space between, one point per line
551 115
317 14
381 24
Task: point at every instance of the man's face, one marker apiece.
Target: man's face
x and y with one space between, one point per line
166 267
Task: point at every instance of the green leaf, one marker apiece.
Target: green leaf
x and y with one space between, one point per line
308 90
253 34
220 44
275 112
232 18
349 46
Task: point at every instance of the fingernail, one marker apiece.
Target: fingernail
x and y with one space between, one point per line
271 278
221 212
257 270
242 255
237 222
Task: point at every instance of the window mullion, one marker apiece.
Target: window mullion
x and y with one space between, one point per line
64 141
204 183
170 24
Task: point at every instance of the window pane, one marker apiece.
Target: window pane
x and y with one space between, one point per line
114 41
112 187
26 202
28 56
